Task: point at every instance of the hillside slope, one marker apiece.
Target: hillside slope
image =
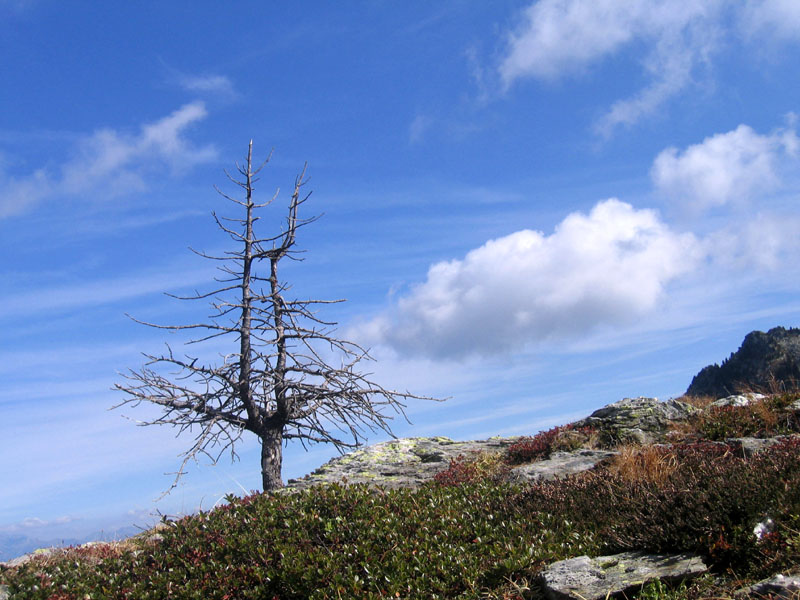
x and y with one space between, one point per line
643 498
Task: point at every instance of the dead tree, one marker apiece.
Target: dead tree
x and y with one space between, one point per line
278 381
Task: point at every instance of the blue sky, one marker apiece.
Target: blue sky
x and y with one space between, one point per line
534 209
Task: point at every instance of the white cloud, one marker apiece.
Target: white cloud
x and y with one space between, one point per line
37 522
560 37
563 37
725 167
609 267
113 162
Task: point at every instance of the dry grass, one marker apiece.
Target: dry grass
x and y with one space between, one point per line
765 412
575 439
652 464
773 388
701 402
490 465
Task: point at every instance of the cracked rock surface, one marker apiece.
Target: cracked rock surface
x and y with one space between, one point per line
596 578
559 464
640 420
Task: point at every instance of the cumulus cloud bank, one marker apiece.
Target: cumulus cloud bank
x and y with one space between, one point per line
725 167
609 267
110 161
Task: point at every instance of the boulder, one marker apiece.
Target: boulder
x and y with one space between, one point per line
639 420
763 361
751 446
780 586
738 400
585 578
559 464
4 593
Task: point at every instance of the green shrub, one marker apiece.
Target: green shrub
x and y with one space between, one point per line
327 542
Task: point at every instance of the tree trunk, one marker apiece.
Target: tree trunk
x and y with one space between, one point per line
271 459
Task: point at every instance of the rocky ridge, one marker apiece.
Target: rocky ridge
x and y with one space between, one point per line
408 462
764 361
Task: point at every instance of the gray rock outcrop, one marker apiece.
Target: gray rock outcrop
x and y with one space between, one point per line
559 464
640 420
409 462
585 578
401 463
737 400
763 361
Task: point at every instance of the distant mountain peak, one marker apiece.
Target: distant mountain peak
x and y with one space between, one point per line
765 361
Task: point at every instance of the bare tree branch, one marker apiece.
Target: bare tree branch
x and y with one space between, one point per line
279 383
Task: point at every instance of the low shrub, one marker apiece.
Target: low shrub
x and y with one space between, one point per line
543 444
708 504
473 468
328 542
762 418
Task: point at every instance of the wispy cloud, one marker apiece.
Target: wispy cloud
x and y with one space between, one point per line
680 39
779 18
214 84
419 126
559 38
109 163
88 294
764 242
669 68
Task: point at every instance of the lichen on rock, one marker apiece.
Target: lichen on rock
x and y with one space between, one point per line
405 462
638 420
585 578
